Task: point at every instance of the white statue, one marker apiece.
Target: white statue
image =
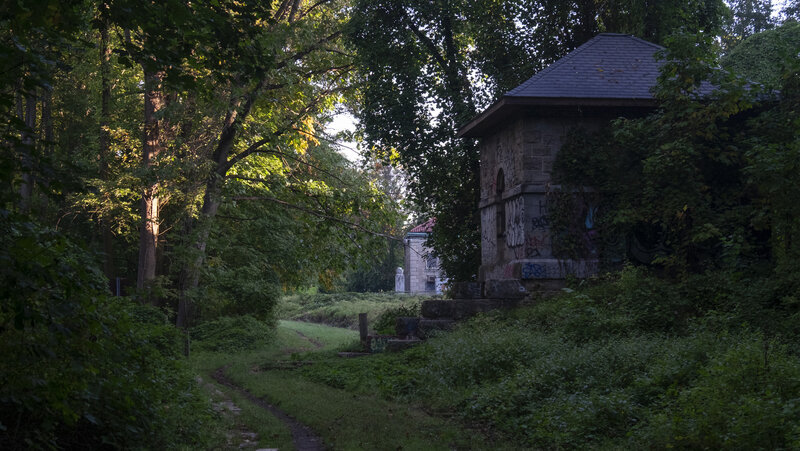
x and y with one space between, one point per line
399 281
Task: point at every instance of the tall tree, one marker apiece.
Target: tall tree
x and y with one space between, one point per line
272 96
151 147
748 17
427 67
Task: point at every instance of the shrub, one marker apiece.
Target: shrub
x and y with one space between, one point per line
745 397
580 317
387 320
655 304
246 289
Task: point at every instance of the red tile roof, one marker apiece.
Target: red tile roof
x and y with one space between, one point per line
426 227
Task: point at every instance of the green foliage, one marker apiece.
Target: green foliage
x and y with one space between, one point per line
763 57
231 334
284 193
694 186
379 274
83 369
630 360
748 17
238 281
744 397
402 67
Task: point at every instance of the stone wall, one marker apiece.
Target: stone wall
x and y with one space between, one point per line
516 236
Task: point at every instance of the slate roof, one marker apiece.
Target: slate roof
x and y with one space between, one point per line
610 70
609 66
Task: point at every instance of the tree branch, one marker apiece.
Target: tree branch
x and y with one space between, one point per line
352 225
280 131
434 51
312 8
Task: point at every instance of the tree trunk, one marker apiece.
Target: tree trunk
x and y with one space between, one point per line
105 141
200 229
190 273
47 121
148 232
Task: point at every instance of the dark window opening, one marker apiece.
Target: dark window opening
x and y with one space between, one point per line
430 284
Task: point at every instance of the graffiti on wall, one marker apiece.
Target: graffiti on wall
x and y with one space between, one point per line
542 221
556 269
534 271
515 222
488 235
537 245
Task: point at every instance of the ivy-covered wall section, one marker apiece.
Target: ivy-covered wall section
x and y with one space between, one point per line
704 182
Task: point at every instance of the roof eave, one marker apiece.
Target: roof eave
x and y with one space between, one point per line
507 105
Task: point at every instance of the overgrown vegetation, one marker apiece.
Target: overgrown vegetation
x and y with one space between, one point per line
82 369
706 181
344 420
631 361
184 140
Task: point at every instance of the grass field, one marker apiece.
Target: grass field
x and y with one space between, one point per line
344 419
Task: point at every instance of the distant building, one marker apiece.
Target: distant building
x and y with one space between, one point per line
421 269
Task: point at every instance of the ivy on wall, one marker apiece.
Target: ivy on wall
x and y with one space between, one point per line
687 187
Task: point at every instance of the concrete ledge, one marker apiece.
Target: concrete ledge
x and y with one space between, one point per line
504 289
466 290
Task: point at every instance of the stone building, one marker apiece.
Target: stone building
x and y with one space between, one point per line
421 269
520 134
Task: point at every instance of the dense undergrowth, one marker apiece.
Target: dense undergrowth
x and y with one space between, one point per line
82 370
630 361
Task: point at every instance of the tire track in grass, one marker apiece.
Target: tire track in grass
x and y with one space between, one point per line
303 437
317 344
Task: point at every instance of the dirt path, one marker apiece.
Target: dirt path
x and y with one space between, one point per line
303 437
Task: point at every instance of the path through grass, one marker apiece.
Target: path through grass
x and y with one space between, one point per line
343 419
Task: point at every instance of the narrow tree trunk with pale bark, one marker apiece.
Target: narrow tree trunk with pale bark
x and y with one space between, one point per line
148 232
